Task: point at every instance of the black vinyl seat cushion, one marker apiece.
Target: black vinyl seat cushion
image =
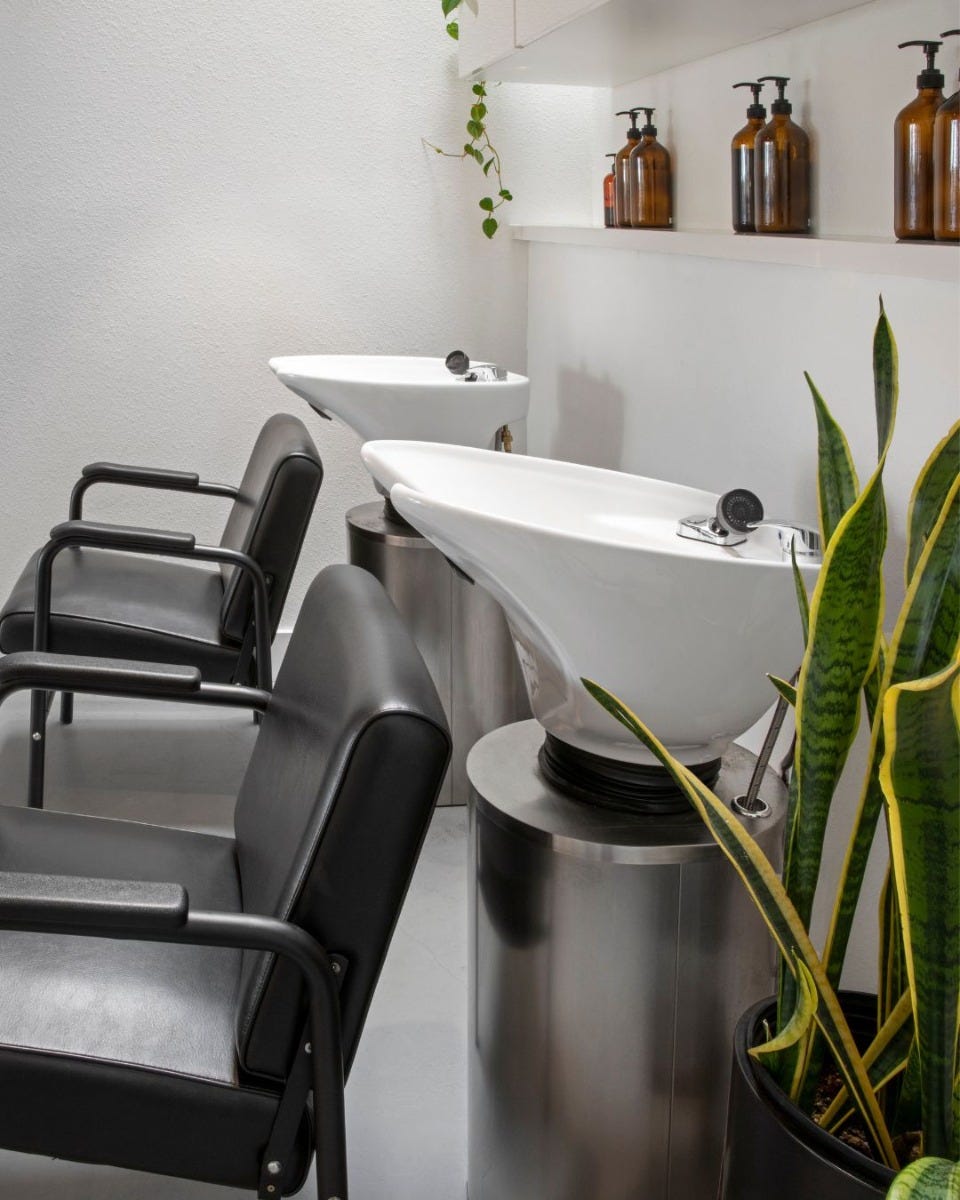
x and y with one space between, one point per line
120 605
101 1038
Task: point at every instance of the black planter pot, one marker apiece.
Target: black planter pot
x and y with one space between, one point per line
772 1149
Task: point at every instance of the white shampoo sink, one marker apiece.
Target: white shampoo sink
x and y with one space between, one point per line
595 582
383 396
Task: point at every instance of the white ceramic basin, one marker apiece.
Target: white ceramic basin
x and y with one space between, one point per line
383 396
595 582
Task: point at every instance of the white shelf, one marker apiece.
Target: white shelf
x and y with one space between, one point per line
868 256
619 41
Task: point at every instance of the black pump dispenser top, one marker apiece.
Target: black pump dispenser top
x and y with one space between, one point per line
649 130
952 33
931 77
781 106
633 133
610 156
756 109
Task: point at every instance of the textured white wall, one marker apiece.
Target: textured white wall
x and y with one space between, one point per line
188 189
691 370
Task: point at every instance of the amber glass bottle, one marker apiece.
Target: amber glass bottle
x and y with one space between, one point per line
622 170
913 152
651 204
946 166
781 169
609 195
742 153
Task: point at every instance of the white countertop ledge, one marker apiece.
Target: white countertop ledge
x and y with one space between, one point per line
938 261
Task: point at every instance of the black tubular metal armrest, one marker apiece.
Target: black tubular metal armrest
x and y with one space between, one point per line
151 541
41 669
122 537
158 478
109 472
62 903
84 913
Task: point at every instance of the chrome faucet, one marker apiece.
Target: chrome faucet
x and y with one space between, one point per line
740 513
459 364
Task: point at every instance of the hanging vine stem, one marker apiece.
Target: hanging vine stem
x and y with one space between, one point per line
479 148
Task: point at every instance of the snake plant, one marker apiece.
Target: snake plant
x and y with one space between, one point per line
904 1088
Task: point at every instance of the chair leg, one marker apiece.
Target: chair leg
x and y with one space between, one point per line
328 1112
66 708
39 707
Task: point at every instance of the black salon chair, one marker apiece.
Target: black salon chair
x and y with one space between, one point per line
187 1004
123 592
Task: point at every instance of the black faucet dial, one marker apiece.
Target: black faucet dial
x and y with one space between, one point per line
738 511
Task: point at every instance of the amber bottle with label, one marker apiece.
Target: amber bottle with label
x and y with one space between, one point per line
651 204
946 166
913 152
622 173
742 155
781 169
609 195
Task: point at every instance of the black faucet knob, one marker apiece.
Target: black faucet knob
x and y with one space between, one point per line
739 511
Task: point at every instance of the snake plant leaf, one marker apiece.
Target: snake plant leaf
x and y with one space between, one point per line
845 615
886 386
803 600
927 1179
796 1028
893 964
906 1115
884 1058
774 905
935 480
837 485
786 690
924 641
920 777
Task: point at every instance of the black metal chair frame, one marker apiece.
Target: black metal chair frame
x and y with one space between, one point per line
77 532
140 911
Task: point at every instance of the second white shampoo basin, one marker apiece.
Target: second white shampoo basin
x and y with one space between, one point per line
595 582
393 396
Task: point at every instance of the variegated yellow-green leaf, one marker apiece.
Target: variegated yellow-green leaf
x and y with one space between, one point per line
885 381
927 1179
777 911
785 689
884 1058
845 615
796 1028
893 966
837 485
803 600
920 777
924 641
929 493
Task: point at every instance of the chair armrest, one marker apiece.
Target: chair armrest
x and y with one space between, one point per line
45 671
62 903
121 537
158 478
155 477
151 541
151 912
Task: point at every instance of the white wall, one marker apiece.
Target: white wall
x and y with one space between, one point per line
691 369
188 189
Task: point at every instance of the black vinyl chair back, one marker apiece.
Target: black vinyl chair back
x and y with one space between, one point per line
335 803
269 518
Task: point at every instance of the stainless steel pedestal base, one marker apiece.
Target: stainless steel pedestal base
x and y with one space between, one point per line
610 958
459 629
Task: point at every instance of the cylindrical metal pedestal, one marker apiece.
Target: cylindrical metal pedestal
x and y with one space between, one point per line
610 958
459 629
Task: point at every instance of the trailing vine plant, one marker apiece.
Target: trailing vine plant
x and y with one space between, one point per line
480 149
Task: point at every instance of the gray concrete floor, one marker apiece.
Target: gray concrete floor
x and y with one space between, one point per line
178 765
